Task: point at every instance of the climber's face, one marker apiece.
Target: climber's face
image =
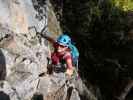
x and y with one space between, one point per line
61 48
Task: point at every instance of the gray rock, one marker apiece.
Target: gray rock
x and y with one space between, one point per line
75 95
23 53
19 15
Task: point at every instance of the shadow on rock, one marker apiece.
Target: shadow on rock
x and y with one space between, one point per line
37 97
4 96
2 66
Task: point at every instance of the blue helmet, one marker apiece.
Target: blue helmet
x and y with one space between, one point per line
64 40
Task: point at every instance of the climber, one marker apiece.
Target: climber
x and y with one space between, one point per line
63 52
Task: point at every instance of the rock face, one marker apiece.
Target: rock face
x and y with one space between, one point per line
53 23
20 15
24 53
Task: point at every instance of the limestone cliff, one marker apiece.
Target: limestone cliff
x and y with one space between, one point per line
23 54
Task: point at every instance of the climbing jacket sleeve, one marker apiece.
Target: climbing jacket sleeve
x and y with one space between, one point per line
68 60
50 39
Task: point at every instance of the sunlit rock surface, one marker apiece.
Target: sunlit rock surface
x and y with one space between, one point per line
19 15
23 54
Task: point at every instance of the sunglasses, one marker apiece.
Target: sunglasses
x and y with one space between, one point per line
62 46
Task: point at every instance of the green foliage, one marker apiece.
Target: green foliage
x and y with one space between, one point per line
126 5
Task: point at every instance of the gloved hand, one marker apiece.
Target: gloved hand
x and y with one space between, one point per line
69 72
